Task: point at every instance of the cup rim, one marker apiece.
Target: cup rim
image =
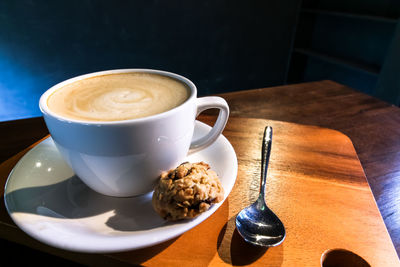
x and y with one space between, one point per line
46 111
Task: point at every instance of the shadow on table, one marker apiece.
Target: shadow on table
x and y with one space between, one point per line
234 250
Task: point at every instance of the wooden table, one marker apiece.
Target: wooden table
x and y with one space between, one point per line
372 126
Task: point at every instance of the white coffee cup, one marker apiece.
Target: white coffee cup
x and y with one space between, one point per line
125 158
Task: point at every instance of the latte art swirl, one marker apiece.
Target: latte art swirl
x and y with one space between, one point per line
109 105
118 97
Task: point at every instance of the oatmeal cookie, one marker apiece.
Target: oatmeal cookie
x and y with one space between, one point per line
187 191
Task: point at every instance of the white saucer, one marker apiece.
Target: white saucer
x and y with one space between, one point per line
49 203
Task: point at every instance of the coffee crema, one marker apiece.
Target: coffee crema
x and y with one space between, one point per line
120 96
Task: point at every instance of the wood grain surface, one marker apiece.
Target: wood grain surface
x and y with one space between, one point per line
371 124
316 185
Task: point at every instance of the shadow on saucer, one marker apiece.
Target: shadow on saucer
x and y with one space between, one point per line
72 199
234 250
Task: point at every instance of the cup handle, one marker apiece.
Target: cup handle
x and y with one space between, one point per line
208 102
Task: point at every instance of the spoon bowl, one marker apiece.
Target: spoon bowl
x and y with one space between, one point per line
257 224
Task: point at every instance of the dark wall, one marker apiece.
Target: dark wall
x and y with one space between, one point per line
219 45
353 42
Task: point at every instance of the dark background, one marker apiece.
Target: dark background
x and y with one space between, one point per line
353 42
220 45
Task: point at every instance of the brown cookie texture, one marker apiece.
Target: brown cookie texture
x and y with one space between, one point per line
187 191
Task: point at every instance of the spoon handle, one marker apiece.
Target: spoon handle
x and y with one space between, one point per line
265 154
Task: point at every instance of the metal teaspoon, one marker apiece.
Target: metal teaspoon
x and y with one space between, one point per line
257 224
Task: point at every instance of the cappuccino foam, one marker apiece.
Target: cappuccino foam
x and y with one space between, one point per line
120 96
